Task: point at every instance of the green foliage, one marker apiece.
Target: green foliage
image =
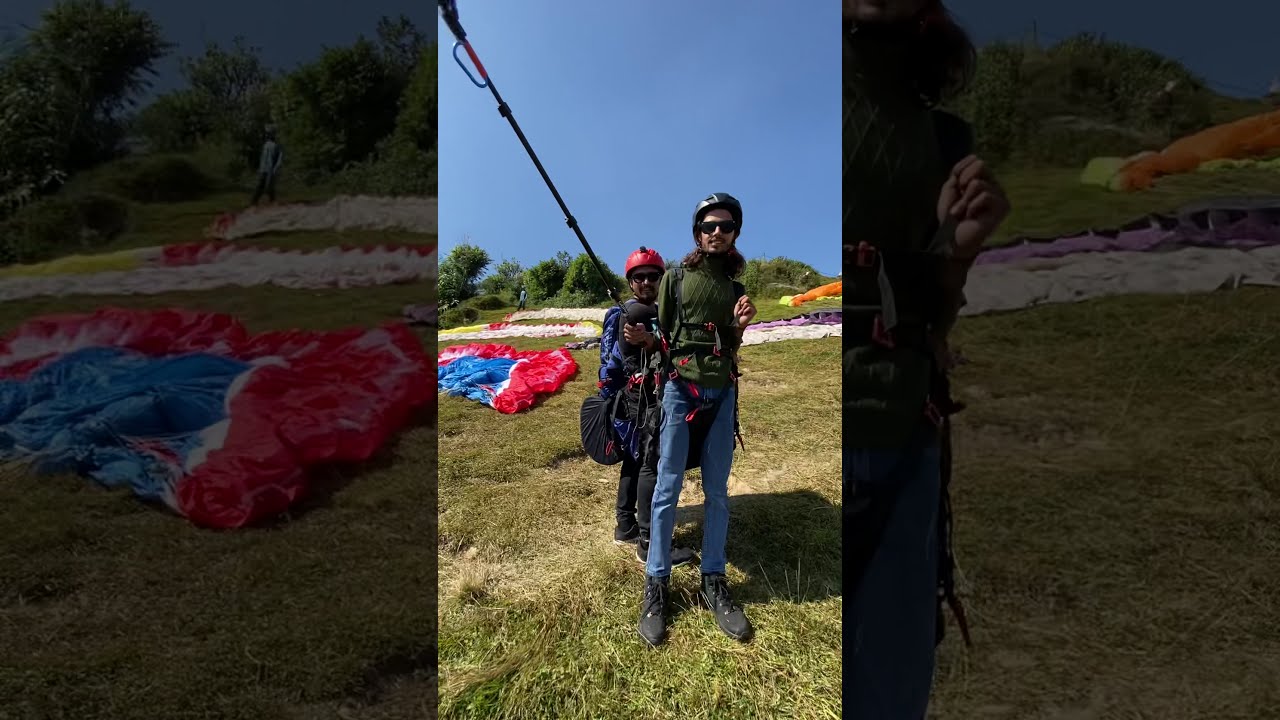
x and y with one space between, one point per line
62 91
993 103
175 122
335 110
31 156
487 302
1078 99
544 280
99 57
583 279
468 260
449 287
48 228
417 122
106 216
460 271
505 280
780 276
226 97
163 178
458 316
402 170
566 299
491 285
403 46
405 163
226 79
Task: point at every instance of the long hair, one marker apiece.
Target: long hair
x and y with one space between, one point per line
946 57
942 58
734 262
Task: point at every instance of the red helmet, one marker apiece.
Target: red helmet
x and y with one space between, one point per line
642 258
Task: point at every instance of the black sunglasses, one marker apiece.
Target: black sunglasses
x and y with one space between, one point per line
709 226
652 277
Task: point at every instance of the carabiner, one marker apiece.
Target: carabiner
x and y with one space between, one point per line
472 54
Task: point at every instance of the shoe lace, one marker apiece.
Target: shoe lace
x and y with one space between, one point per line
719 588
653 599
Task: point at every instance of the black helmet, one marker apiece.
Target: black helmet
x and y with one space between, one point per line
719 200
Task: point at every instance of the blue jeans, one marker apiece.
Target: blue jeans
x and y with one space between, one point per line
895 606
717 458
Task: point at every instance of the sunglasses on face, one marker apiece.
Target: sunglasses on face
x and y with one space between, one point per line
650 277
709 226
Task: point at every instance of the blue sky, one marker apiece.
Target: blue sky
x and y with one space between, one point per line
288 32
638 111
1230 43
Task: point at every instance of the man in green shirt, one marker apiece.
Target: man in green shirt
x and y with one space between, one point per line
917 208
701 315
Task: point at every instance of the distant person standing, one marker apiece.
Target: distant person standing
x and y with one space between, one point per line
269 163
524 295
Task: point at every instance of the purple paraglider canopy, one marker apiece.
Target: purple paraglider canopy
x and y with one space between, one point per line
817 317
1237 223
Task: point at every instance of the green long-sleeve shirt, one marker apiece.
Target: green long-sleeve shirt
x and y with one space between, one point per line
893 174
708 297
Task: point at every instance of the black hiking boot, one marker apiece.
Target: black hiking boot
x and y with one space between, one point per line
679 555
731 619
653 611
626 531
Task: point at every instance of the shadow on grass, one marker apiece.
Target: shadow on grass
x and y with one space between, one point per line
787 544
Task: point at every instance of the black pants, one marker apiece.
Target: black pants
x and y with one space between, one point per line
267 183
635 491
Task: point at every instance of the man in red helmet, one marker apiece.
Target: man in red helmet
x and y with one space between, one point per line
631 362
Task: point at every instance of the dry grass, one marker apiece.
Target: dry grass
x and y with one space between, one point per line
538 607
112 609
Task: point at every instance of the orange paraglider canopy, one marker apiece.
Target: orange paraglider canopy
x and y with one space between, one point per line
828 290
1251 137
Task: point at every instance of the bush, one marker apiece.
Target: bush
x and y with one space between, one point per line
105 215
779 276
457 317
488 302
59 226
1080 98
401 170
165 179
544 280
565 299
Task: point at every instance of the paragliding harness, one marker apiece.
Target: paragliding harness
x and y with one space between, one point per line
887 328
705 411
623 418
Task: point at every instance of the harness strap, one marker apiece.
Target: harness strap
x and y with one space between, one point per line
946 548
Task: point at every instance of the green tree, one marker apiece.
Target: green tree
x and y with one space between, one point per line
402 45
335 111
583 278
98 57
506 278
449 287
416 124
545 279
467 263
227 79
174 122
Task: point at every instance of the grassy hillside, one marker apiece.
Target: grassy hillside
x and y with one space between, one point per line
112 609
538 607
